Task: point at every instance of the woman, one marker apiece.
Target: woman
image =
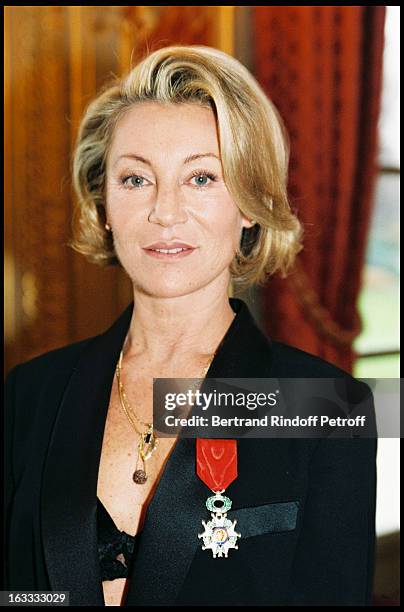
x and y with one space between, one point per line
180 171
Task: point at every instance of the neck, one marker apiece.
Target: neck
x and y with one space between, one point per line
187 325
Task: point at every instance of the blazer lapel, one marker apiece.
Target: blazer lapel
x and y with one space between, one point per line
69 489
168 541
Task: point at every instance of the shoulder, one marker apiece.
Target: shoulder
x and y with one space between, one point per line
289 361
39 382
56 360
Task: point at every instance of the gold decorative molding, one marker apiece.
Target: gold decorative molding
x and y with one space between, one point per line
225 28
82 64
9 298
29 287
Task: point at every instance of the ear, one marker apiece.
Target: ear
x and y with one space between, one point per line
246 222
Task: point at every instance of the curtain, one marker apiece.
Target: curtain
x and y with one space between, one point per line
322 67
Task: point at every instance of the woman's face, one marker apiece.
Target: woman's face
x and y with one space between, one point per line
165 185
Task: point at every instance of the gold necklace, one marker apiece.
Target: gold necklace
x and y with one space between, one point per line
148 441
147 444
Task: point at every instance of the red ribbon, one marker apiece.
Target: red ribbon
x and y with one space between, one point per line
216 462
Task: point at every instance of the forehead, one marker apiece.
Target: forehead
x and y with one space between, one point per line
153 126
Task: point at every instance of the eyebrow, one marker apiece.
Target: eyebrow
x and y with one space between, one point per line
187 160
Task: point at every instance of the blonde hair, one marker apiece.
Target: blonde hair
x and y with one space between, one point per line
254 150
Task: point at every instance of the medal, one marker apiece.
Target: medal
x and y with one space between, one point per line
216 466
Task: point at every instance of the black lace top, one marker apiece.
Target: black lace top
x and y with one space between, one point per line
115 547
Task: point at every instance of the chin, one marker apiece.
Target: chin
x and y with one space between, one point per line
166 288
171 283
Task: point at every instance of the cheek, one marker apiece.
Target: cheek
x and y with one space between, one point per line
126 218
227 226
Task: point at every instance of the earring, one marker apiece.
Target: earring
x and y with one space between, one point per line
107 227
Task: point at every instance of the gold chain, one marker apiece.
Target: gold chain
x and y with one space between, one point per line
124 400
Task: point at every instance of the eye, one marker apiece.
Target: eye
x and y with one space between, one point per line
204 176
132 181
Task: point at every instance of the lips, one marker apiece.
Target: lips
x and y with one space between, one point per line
169 250
169 245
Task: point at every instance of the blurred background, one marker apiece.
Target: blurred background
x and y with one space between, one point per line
333 73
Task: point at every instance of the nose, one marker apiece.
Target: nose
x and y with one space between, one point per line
168 208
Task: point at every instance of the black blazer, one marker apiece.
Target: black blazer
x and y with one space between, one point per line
305 508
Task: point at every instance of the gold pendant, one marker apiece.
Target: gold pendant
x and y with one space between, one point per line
147 444
146 447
